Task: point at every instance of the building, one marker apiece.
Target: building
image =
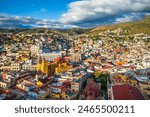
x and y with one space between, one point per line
7 94
145 87
26 85
28 65
62 90
6 68
38 94
75 86
16 66
4 85
76 57
34 50
24 53
7 80
22 75
58 86
70 96
92 90
42 94
59 90
126 92
12 67
79 80
45 67
50 56
62 67
12 54
119 79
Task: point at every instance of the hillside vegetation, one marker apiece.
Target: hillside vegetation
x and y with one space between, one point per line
142 26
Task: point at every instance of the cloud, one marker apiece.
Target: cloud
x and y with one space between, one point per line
130 17
7 21
90 13
85 14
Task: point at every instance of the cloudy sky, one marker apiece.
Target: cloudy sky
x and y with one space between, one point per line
70 13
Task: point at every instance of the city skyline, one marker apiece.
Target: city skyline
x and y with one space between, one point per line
70 13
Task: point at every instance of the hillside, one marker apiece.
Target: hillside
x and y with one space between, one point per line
142 26
32 30
46 30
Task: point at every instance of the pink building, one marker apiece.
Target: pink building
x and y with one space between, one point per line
92 91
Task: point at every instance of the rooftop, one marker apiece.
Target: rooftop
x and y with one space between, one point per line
127 92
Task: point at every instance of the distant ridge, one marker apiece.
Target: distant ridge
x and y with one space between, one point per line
46 30
142 26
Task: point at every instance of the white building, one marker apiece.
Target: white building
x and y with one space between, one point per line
34 50
28 66
8 81
50 56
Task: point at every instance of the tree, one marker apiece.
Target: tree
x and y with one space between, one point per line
103 78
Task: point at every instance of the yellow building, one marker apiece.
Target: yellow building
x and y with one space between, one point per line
145 88
51 68
123 77
23 52
12 67
65 96
62 67
56 96
71 96
24 58
43 66
39 84
5 67
133 82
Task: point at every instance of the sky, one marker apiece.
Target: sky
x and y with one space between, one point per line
70 13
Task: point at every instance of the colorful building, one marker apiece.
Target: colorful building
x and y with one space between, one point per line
7 80
75 86
45 67
42 94
26 85
62 67
145 87
12 67
39 95
92 90
123 79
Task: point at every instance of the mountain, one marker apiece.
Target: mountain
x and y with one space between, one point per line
46 30
142 26
30 30
75 31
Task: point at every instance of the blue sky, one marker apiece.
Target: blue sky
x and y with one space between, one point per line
70 13
41 9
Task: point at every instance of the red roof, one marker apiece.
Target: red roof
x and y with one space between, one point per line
92 87
126 92
90 98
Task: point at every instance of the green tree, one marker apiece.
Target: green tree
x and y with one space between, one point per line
103 78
